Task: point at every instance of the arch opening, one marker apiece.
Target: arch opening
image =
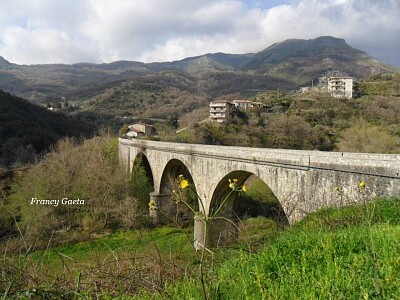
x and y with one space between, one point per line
251 212
141 182
172 205
135 211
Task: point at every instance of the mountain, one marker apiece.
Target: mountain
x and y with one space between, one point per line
287 64
27 129
210 62
295 48
302 60
5 64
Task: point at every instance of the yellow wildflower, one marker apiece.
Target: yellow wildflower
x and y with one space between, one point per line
362 184
184 184
231 184
152 204
244 188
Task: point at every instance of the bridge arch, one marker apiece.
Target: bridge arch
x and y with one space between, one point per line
169 183
223 191
142 162
170 174
141 182
238 205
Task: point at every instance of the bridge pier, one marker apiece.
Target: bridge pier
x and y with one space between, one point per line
221 231
168 211
164 210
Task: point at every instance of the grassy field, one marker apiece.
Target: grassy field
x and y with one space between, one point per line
117 264
348 253
110 264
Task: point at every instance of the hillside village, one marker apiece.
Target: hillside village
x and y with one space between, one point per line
338 86
223 111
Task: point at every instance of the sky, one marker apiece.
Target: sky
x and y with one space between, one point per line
102 31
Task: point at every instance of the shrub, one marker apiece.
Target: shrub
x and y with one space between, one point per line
7 223
88 171
363 137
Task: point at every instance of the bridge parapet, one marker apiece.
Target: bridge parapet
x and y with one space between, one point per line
387 165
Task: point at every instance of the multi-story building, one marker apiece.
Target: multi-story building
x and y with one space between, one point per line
221 111
341 86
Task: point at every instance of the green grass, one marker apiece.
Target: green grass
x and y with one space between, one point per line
106 260
357 259
139 241
318 265
347 253
386 210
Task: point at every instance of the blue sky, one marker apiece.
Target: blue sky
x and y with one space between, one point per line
70 31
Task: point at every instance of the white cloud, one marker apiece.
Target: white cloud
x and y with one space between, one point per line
43 45
47 31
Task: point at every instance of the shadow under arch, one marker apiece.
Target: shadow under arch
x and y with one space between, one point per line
240 205
141 182
175 211
142 162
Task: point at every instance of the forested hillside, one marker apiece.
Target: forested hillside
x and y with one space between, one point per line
156 96
27 130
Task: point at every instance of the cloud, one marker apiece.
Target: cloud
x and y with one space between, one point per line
43 45
47 31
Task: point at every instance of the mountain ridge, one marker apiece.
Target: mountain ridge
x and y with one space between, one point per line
297 61
333 42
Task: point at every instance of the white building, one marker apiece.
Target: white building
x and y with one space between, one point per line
140 129
341 87
304 89
221 111
243 104
246 104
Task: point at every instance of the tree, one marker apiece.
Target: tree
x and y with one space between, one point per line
88 171
123 130
139 185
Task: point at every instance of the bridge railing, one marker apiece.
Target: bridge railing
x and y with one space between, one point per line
383 165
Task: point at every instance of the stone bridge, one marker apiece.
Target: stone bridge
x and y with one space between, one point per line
302 181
